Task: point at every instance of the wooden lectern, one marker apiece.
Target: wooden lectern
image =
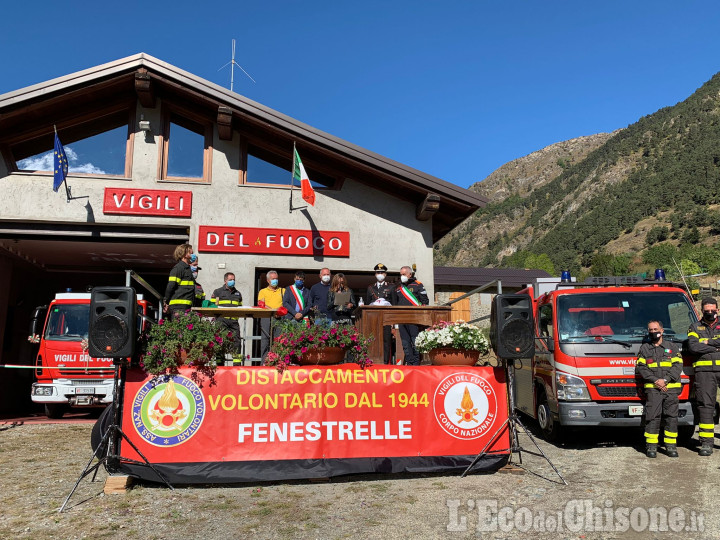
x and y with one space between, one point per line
371 319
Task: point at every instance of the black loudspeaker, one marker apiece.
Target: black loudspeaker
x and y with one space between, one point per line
511 326
112 332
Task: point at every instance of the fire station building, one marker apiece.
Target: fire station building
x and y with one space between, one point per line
159 157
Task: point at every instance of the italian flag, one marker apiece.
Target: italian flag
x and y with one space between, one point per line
306 190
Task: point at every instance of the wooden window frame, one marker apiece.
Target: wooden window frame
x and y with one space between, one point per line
168 112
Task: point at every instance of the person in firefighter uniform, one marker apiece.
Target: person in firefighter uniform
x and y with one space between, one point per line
410 292
180 290
659 366
228 296
199 291
704 343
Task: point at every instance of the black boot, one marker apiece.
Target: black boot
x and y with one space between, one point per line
707 447
651 450
671 450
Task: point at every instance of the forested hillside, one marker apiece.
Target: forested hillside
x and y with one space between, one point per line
616 203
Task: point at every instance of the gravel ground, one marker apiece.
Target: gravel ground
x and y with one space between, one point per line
608 477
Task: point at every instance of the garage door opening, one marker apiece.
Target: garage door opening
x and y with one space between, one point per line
38 260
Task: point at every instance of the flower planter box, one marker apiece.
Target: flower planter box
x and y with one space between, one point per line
323 356
453 357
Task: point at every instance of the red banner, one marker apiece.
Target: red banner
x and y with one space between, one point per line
316 413
147 202
212 239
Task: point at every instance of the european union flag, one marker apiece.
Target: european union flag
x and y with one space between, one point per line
60 168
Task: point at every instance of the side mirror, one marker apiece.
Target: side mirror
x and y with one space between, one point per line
37 322
549 343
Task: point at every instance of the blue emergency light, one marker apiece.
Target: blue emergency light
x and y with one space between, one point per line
659 274
565 276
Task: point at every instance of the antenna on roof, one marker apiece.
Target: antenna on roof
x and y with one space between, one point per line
232 63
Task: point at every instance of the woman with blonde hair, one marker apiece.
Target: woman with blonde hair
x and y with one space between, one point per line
341 301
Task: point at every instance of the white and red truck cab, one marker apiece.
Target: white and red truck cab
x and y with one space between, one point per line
67 376
587 338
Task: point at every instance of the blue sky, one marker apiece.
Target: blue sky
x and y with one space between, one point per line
455 89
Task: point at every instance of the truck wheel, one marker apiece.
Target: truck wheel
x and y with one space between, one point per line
548 426
54 410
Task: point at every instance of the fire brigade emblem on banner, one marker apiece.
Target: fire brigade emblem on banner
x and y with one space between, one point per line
168 413
465 405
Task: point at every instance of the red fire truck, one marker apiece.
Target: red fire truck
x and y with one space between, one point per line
66 375
587 337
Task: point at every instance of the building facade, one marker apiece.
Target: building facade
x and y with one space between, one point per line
159 157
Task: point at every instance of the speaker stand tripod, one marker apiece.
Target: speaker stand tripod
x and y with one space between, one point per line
111 439
512 422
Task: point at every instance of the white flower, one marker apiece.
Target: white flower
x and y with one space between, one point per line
459 335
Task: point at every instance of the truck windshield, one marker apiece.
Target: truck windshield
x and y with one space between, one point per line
622 316
68 322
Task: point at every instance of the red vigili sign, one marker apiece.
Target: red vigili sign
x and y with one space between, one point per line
147 202
212 239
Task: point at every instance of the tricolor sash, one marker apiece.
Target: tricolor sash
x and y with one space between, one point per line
409 296
298 297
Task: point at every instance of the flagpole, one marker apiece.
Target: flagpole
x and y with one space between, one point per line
292 177
67 189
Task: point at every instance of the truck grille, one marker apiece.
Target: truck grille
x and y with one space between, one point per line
73 373
617 391
86 382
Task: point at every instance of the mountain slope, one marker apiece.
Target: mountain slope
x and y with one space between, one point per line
666 166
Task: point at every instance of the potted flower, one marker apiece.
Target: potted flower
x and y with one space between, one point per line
316 344
185 340
452 343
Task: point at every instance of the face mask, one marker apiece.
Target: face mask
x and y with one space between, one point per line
654 336
709 315
231 282
380 277
193 269
273 282
325 279
194 275
299 283
193 258
404 279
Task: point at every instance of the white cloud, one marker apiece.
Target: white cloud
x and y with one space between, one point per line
44 162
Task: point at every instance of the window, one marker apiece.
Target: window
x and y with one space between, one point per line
100 147
623 315
186 149
266 167
68 322
546 322
260 171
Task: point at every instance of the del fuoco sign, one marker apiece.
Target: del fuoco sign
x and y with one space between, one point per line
213 239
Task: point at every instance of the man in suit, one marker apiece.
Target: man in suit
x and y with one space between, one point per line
297 299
